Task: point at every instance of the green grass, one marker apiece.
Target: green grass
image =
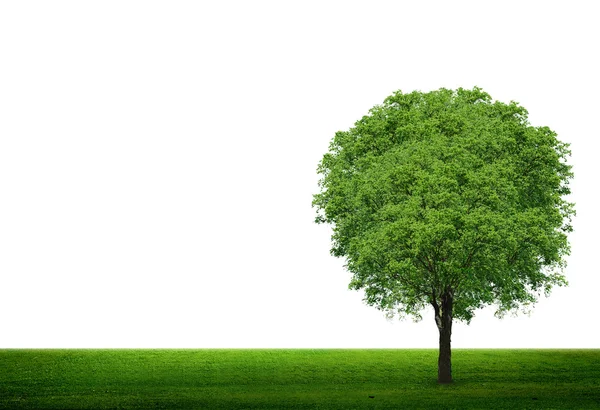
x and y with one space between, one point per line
297 378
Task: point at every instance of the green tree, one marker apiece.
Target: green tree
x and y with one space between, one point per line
447 199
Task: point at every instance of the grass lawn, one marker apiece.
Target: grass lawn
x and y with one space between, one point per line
297 378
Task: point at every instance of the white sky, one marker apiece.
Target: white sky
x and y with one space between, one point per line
158 161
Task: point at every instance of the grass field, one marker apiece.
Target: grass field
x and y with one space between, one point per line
303 378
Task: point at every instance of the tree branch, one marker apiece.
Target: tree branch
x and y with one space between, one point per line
418 288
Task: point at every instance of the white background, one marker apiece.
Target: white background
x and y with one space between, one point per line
158 161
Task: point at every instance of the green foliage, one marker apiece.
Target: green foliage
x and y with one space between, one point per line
447 191
296 379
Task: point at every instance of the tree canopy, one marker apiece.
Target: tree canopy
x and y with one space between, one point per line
447 193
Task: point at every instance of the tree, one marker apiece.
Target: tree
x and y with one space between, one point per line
447 199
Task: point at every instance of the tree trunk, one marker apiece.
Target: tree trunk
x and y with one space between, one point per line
443 319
